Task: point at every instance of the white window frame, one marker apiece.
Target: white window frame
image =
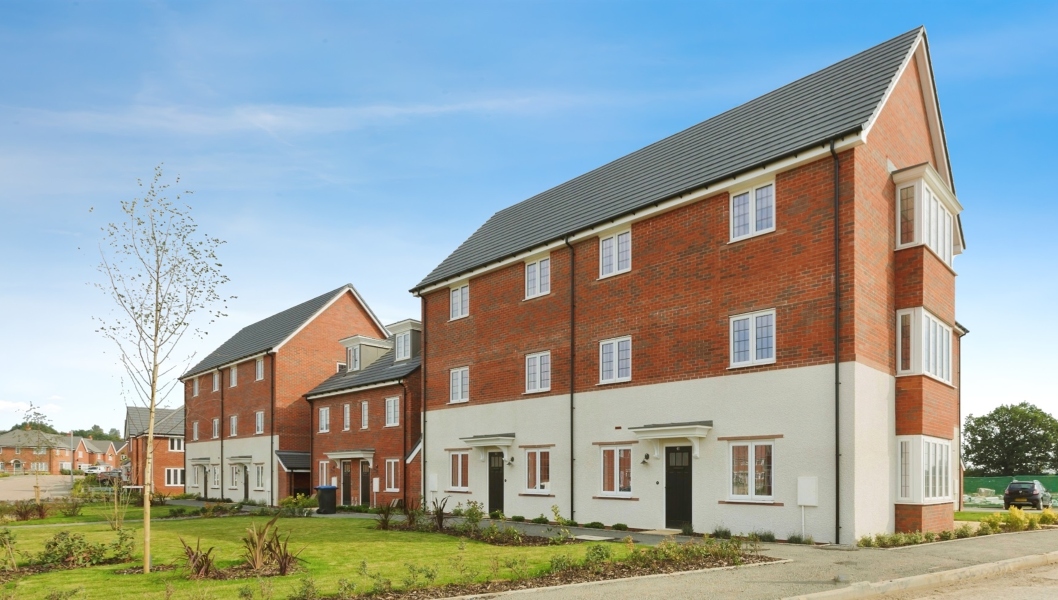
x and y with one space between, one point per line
932 473
176 444
346 416
616 343
534 372
215 472
753 360
233 426
324 419
402 343
458 393
216 381
753 231
174 477
233 483
364 420
216 428
259 476
352 358
932 342
194 431
615 240
539 286
233 376
934 222
259 422
393 412
751 474
193 478
616 492
533 456
459 302
323 472
392 475
457 473
259 369
194 387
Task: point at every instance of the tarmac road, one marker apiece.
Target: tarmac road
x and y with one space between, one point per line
20 487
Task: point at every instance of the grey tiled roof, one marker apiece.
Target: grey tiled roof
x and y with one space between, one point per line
382 370
827 104
293 461
36 439
266 333
167 421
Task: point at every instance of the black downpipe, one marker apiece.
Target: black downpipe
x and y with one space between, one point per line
837 349
221 432
422 365
272 492
572 370
404 443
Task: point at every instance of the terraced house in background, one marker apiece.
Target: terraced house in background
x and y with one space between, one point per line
247 423
31 451
168 467
746 323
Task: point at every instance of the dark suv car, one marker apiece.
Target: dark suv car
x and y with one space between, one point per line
1026 493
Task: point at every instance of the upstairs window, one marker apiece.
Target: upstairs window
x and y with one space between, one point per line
615 360
923 218
615 254
345 417
260 369
194 387
392 412
923 344
403 343
459 385
753 339
460 302
233 376
216 381
352 358
233 425
538 372
259 422
753 212
176 444
216 430
363 415
538 278
325 419
194 431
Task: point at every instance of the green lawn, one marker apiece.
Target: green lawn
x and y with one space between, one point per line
334 549
963 515
96 513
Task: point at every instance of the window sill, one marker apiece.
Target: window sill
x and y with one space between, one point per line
614 498
933 377
534 297
457 491
614 274
258 489
390 490
533 392
750 236
537 494
751 364
458 401
451 319
752 502
613 381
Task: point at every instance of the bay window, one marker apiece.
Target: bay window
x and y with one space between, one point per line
923 345
926 212
924 470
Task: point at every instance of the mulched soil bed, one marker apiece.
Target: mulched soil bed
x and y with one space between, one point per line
580 574
139 570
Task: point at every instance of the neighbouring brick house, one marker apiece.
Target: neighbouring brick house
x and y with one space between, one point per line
90 452
746 322
168 471
247 423
31 451
366 420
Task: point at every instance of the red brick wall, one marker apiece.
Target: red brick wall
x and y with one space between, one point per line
244 400
163 459
387 442
685 283
54 461
928 517
926 406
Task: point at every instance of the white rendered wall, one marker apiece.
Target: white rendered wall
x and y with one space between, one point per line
797 404
260 448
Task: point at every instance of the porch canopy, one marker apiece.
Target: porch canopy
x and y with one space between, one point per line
367 454
240 460
500 441
293 462
694 431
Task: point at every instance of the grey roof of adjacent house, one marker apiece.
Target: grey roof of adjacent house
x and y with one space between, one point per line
382 370
168 422
836 101
266 334
292 460
36 439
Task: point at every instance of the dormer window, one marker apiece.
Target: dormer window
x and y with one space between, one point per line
352 358
403 342
926 213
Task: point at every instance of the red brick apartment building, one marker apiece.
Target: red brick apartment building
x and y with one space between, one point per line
746 322
247 423
367 420
168 472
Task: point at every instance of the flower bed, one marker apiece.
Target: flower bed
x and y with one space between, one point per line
998 522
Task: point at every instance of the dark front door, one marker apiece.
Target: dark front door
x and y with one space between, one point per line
347 475
245 482
495 481
677 486
365 483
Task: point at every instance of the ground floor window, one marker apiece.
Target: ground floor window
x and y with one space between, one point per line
537 470
460 467
617 471
751 470
260 469
193 480
216 476
234 483
924 469
174 477
323 472
392 468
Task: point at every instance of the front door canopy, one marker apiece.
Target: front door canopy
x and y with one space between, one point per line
695 431
500 441
240 460
366 454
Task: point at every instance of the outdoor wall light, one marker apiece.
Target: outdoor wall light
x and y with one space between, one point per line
646 457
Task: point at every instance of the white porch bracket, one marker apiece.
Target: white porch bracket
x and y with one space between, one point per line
482 443
693 431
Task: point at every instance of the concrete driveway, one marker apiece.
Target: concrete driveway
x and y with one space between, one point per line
1041 582
20 487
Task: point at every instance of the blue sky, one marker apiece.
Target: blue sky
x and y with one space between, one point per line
362 142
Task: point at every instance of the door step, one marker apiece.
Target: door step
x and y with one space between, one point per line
663 532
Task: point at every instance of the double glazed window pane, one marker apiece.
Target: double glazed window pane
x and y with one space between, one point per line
751 470
615 360
538 372
624 359
753 338
740 215
740 340
460 465
765 208
538 469
606 249
615 253
617 470
460 302
740 471
762 470
460 385
765 334
907 215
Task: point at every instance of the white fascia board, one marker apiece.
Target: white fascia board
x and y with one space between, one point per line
363 340
355 389
760 174
356 295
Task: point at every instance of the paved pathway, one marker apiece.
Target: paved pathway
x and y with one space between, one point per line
1041 582
20 487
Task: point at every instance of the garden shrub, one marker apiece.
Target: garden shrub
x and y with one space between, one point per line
947 535
66 549
178 511
797 538
994 521
385 517
721 533
541 520
1034 523
496 514
298 506
122 546
1016 520
620 527
561 562
595 525
200 563
929 536
762 536
7 546
70 506
1048 517
866 541
687 529
598 553
964 531
24 510
518 519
